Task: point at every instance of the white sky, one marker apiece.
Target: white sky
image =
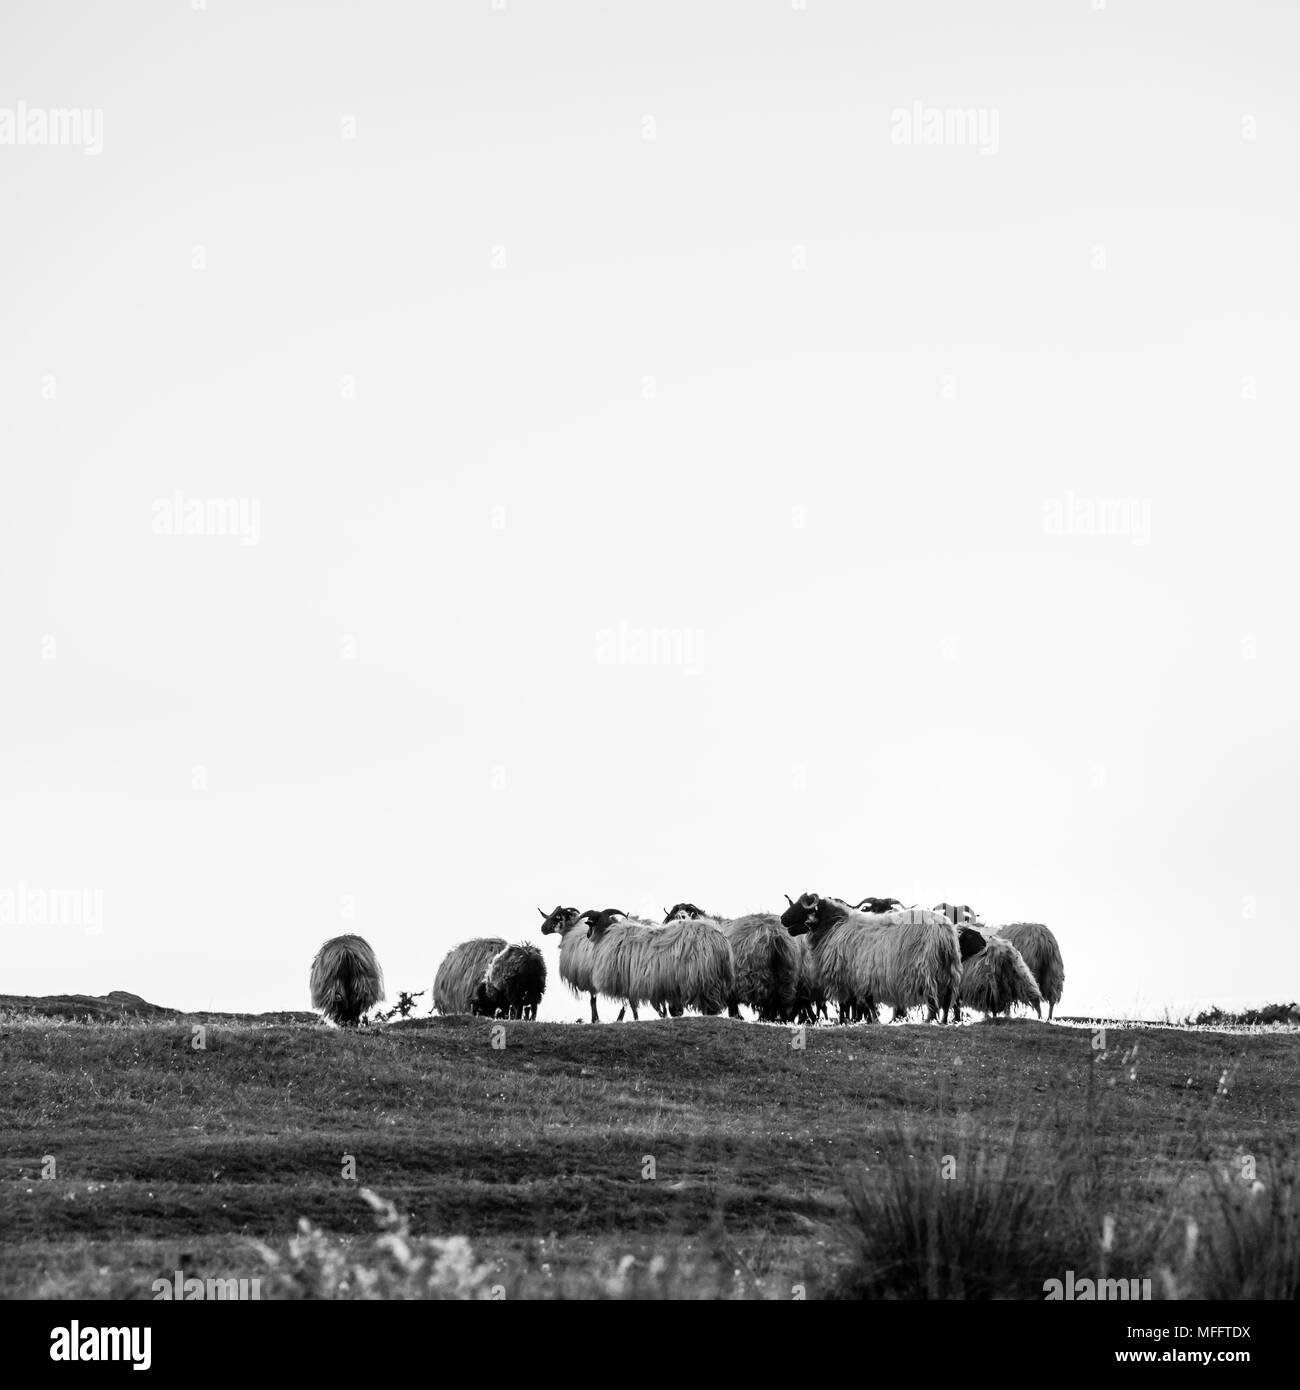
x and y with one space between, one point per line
807 400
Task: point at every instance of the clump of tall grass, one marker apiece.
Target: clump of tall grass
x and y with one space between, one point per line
966 1224
998 1220
390 1264
1247 1245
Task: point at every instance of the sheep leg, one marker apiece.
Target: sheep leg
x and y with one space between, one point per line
631 1006
1038 1010
1051 1005
733 1009
595 1017
621 1012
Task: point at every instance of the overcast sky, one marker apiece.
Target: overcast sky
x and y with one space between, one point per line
703 451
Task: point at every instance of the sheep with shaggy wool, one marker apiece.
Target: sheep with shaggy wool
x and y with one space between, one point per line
685 964
864 959
809 996
577 955
512 985
1042 954
616 941
765 961
346 980
996 978
460 972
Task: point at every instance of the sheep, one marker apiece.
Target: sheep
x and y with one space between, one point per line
512 984
970 942
876 905
809 997
577 955
686 964
996 978
346 980
765 960
864 959
575 952
615 941
460 972
1042 954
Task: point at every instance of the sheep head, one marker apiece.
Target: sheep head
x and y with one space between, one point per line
971 941
683 911
877 905
801 916
598 923
560 920
485 1001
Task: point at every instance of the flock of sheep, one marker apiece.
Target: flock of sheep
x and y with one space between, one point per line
787 968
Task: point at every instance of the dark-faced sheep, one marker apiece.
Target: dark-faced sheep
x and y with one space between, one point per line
997 978
765 961
877 905
460 972
577 955
512 985
684 965
346 980
1042 954
864 960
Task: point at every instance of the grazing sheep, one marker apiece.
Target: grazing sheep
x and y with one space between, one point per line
864 960
996 978
460 972
764 957
970 942
346 980
1042 954
686 964
512 985
577 955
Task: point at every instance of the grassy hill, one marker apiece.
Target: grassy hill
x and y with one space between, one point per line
690 1157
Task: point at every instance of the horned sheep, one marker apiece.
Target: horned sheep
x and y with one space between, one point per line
864 960
577 955
685 964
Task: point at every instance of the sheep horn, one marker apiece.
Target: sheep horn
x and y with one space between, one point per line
788 898
544 914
